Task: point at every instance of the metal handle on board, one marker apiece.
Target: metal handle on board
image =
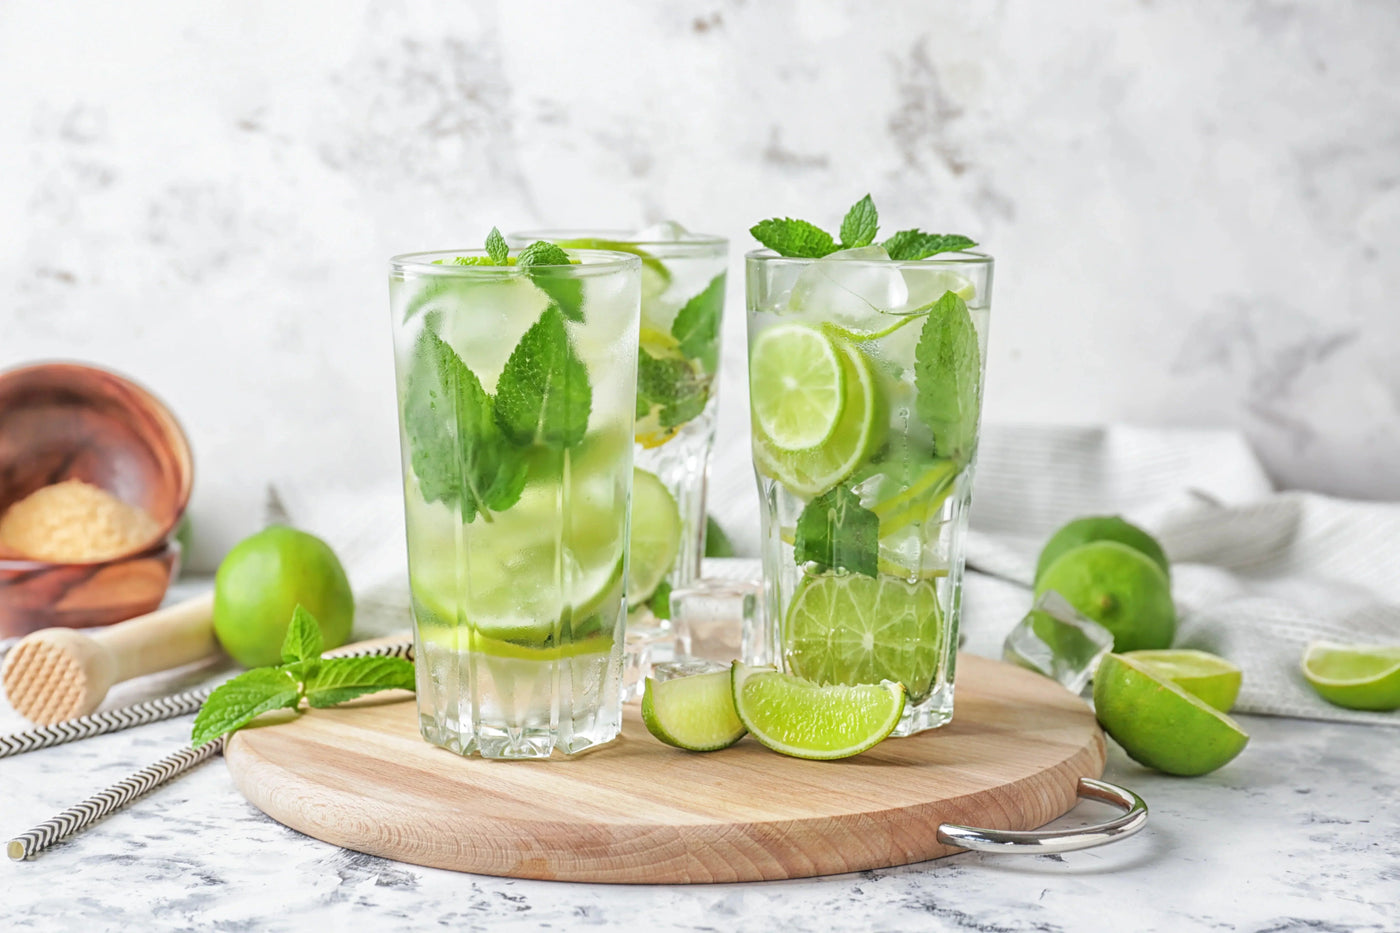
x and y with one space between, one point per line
1047 841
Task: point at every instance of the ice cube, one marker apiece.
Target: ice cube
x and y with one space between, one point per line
670 670
851 287
719 620
1055 640
665 231
927 284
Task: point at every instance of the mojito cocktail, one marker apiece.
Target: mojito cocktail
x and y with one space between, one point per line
865 379
683 280
516 387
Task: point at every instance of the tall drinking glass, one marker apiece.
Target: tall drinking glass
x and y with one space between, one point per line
865 381
683 279
516 392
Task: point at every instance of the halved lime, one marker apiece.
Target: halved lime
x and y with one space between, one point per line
1363 677
854 629
797 386
656 535
1158 723
1118 587
1100 528
695 713
806 720
1208 676
858 433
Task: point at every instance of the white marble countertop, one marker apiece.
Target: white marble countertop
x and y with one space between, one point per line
1301 832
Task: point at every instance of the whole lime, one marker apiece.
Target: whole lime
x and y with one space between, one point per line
1119 588
1100 528
260 583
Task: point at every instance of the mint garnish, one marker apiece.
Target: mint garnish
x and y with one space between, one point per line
496 247
798 238
696 326
538 260
861 224
457 450
543 395
673 384
304 675
947 371
835 531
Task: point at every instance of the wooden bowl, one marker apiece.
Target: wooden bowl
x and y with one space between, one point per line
63 421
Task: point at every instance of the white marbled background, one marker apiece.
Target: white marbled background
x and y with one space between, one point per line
1195 207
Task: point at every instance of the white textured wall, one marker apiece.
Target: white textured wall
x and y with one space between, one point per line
1195 207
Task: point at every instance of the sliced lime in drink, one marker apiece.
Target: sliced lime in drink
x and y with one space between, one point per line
854 629
656 278
656 535
797 386
1158 723
1199 673
695 713
1365 677
918 501
806 720
859 431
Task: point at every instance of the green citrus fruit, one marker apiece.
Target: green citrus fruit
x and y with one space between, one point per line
655 536
1119 588
1363 677
695 713
263 579
1159 724
797 386
806 720
1199 673
1100 528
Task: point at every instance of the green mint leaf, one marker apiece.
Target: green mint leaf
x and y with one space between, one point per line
947 378
470 261
341 679
672 385
660 602
696 326
496 247
717 543
688 405
540 261
244 698
907 245
861 224
788 237
835 532
303 641
543 395
456 449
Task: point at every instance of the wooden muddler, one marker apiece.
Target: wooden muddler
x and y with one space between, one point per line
60 673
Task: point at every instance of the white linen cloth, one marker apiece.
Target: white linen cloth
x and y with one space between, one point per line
1256 573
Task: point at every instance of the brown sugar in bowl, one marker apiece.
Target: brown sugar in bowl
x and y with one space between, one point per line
61 421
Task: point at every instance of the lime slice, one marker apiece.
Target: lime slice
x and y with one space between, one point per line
695 713
858 433
919 500
1100 528
1208 676
1355 676
799 718
854 629
796 385
1118 587
1158 723
656 278
656 536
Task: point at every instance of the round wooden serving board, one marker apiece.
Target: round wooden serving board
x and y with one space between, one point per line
640 811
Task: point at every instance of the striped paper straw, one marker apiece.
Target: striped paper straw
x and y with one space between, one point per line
78 818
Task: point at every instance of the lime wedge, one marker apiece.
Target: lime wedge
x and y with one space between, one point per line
1363 677
858 433
796 385
799 718
1158 723
854 629
656 536
1208 676
695 713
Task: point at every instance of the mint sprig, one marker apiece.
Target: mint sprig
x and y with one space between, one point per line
696 327
835 532
801 239
496 247
543 395
540 260
947 378
303 675
672 384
